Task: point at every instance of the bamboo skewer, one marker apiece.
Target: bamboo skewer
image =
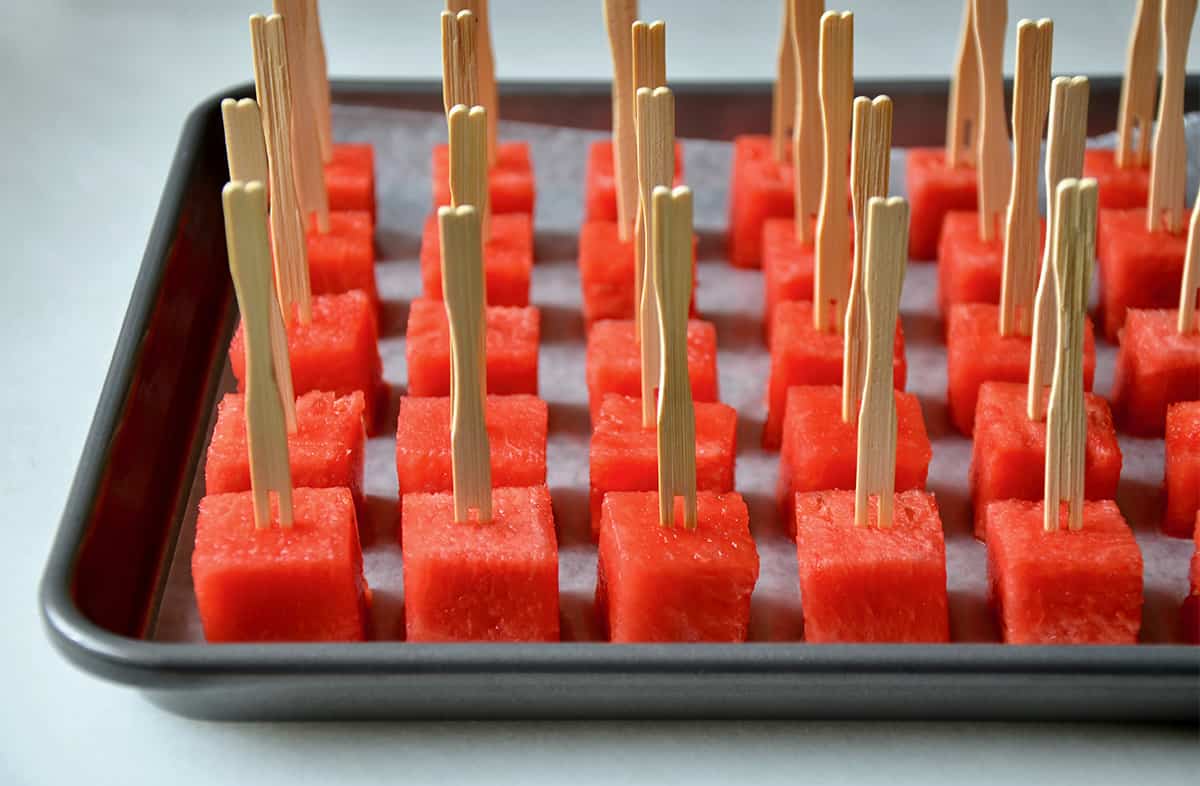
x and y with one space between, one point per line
245 207
832 275
305 132
488 96
1066 139
1188 320
656 157
962 119
468 163
1135 113
1074 238
992 157
463 286
320 77
619 16
246 152
1168 175
676 437
870 165
460 72
649 71
783 92
287 223
887 251
1031 103
808 143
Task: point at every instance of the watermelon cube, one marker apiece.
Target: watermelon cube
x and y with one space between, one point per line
507 259
1008 456
1063 587
510 182
871 584
471 581
516 429
1138 269
350 178
1182 475
788 266
1119 187
1156 366
970 270
820 450
337 351
343 258
624 454
803 355
614 361
977 353
299 583
934 189
600 185
673 584
512 349
760 188
606 272
326 450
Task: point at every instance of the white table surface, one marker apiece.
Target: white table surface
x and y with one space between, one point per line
94 95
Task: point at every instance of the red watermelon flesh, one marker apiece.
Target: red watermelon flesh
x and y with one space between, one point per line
1138 269
803 355
614 361
337 351
1120 187
326 450
1008 457
789 266
606 272
301 583
1182 474
867 584
971 270
760 188
671 584
977 353
512 349
350 178
624 454
507 259
1156 366
820 450
343 258
516 429
1064 587
470 581
600 189
934 189
511 186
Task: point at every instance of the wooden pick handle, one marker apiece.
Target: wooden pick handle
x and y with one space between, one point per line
486 62
1168 175
992 147
870 165
672 232
460 72
287 222
1074 237
1065 143
468 161
245 207
619 16
831 282
1136 110
1031 102
1189 288
649 54
962 118
808 142
887 252
247 154
320 77
783 92
463 285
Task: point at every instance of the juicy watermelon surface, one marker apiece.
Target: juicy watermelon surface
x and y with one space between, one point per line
971 270
934 189
343 258
507 259
1182 473
350 178
1119 187
1138 269
600 185
760 188
1156 366
511 187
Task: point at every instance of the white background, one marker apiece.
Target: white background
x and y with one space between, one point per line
94 94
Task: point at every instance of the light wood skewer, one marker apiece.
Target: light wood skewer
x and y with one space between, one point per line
831 281
619 16
1168 174
783 92
672 220
460 72
962 117
245 207
649 71
488 96
468 163
992 156
1135 113
320 77
1188 320
808 142
887 252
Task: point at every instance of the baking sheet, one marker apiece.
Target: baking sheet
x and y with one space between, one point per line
733 300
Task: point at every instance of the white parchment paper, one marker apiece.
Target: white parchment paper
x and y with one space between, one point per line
733 300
